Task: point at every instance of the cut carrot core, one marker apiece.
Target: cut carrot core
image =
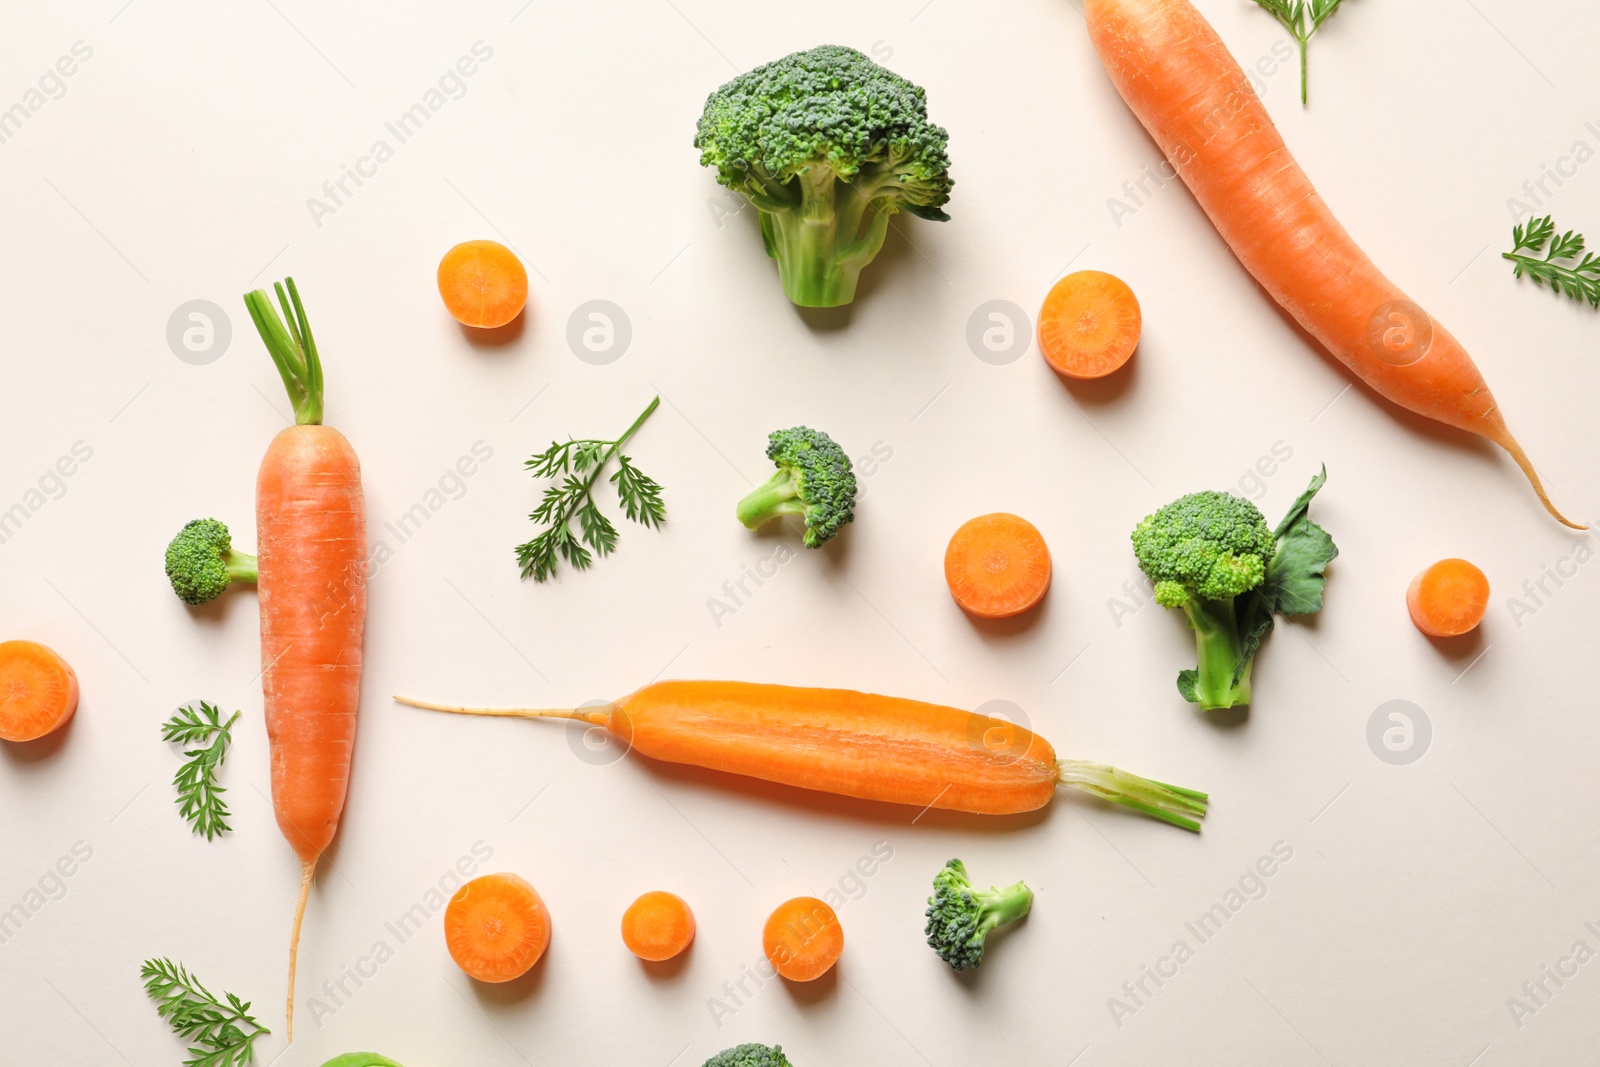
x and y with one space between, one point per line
997 566
483 283
1089 324
496 927
803 939
1448 599
657 926
38 691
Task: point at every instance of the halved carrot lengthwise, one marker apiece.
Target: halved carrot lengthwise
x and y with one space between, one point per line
38 691
997 565
483 284
1089 324
1448 599
657 926
859 745
803 939
496 927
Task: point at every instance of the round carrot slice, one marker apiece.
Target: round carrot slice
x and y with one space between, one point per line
657 926
38 691
1448 599
997 565
1089 324
496 927
483 284
803 939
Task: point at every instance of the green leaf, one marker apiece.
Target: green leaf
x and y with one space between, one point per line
1565 268
199 796
1188 682
1295 578
577 465
220 1034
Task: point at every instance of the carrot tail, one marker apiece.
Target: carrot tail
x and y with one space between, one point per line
596 716
307 869
1509 443
1169 803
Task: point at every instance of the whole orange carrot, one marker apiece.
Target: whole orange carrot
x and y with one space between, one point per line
859 745
1182 83
312 547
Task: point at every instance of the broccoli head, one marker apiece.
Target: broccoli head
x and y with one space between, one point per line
827 145
750 1056
1214 556
202 562
814 480
961 917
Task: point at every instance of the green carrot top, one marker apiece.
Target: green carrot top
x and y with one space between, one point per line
289 342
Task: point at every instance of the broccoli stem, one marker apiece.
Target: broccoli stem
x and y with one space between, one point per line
241 567
1216 638
821 244
1169 803
1004 906
776 497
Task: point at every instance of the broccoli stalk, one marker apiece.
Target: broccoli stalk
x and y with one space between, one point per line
961 916
202 562
1213 556
1218 682
828 146
751 1055
814 480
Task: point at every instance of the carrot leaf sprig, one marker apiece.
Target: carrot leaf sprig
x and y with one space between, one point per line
199 796
1564 265
575 466
293 349
222 1032
1302 18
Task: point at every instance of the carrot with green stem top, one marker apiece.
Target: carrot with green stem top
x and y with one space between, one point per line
311 550
859 745
1187 90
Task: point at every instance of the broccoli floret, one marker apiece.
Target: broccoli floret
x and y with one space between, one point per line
814 480
750 1056
202 562
827 145
961 917
1214 556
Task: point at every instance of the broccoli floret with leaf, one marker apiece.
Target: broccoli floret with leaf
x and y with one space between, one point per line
827 145
961 916
202 562
814 480
1214 556
751 1055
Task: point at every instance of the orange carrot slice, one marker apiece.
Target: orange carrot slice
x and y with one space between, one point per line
1448 599
657 926
803 939
496 927
38 691
997 566
483 284
1089 324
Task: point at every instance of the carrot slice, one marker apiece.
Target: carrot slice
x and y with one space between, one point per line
803 939
496 927
657 926
38 691
1089 324
483 284
997 566
1448 599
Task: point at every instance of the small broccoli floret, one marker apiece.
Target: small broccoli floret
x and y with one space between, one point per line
201 562
961 916
827 145
1214 556
814 480
750 1056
